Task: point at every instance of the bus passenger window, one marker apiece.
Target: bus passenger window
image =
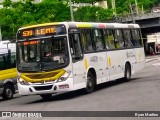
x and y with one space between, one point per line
136 39
98 39
4 61
119 42
1 63
127 38
76 43
75 46
109 39
13 60
86 40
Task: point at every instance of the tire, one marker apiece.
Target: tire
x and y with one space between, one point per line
46 96
8 92
127 73
90 84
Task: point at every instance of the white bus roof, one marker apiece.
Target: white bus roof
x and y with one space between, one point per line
3 51
4 42
11 46
87 25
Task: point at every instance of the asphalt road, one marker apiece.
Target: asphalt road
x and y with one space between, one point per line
140 94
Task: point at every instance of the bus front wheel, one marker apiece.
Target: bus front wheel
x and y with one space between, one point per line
8 92
90 85
127 74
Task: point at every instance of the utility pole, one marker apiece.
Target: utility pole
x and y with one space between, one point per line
0 34
142 10
136 6
114 11
71 10
114 7
131 13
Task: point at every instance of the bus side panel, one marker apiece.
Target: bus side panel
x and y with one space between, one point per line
117 60
140 57
116 63
96 61
8 75
99 62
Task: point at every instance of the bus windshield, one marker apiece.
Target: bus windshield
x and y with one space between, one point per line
42 54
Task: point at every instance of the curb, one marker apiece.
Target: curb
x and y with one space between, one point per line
151 60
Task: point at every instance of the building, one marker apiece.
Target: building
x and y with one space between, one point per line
102 4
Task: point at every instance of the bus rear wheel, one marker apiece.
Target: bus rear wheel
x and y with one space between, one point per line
46 96
8 92
90 84
127 73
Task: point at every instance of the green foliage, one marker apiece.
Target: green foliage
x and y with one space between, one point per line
18 14
25 12
7 3
93 14
52 11
123 6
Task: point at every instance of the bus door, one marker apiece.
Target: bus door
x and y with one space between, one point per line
78 68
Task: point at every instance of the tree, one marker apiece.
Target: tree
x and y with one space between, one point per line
52 11
6 3
18 14
93 14
24 12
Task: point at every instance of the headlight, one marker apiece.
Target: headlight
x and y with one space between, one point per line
64 76
22 81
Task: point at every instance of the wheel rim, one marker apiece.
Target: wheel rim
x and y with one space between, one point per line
9 93
128 74
89 82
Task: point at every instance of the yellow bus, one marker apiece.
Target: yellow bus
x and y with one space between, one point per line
58 57
8 73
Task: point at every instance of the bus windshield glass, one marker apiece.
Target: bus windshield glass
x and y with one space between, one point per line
42 54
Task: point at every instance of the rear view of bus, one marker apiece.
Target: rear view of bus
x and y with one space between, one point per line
42 53
8 73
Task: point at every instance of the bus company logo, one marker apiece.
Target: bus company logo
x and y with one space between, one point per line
130 54
6 114
94 59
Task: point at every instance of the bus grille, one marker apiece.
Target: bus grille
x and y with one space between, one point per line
38 88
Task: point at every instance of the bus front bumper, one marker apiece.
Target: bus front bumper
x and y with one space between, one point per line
45 88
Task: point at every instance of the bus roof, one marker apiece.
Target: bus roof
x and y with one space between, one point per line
3 51
86 25
11 46
4 42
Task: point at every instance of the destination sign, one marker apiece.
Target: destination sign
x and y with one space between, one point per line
30 42
41 31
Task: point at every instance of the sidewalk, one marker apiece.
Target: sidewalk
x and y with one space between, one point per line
150 58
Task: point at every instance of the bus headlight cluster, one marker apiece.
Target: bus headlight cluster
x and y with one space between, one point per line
22 81
64 76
